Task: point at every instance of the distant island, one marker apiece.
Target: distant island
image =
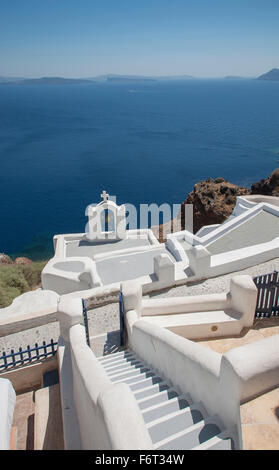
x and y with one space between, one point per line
53 81
139 78
130 79
272 75
234 77
43 81
79 81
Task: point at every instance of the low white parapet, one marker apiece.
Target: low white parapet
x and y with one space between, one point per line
29 310
164 269
200 249
65 275
197 317
199 261
192 367
256 366
221 382
200 317
97 415
7 404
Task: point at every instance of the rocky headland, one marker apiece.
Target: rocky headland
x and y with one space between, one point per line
214 199
213 202
272 75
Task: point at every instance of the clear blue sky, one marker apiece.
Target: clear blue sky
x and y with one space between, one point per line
83 38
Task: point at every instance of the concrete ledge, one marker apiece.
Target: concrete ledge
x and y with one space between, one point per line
29 377
48 419
31 309
259 372
70 421
122 417
26 321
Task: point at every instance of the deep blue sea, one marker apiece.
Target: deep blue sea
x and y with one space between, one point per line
60 146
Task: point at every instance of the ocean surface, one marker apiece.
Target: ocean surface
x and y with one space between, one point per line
148 142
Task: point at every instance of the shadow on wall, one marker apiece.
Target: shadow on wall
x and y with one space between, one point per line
112 343
51 437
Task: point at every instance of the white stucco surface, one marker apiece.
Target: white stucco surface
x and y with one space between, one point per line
31 309
91 267
249 237
261 228
127 266
7 404
105 318
90 249
34 301
107 415
221 382
206 316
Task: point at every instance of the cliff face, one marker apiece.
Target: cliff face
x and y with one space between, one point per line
268 186
272 75
5 259
214 200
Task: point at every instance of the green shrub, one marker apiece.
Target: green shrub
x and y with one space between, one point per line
32 273
17 279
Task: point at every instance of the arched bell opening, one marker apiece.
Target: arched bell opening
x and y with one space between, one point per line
107 221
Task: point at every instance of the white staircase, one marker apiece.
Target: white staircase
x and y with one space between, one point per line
173 419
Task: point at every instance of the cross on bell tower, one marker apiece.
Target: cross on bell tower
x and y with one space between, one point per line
105 196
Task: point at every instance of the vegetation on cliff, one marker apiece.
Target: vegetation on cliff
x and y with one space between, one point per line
15 279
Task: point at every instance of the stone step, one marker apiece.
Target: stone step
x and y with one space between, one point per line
115 356
146 383
137 378
191 437
121 365
158 397
172 419
130 373
163 409
122 361
216 443
23 420
167 425
152 390
137 366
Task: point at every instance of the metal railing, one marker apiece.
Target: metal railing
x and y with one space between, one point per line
27 356
268 295
85 321
121 319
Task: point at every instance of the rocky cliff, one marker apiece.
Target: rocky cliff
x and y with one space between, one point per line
5 259
213 202
214 199
268 186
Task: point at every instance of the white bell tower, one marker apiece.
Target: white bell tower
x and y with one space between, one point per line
106 221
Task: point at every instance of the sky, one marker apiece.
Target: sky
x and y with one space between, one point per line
85 38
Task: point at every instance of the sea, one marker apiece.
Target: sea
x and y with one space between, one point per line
143 142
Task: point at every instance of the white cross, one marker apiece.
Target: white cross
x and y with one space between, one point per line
105 196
